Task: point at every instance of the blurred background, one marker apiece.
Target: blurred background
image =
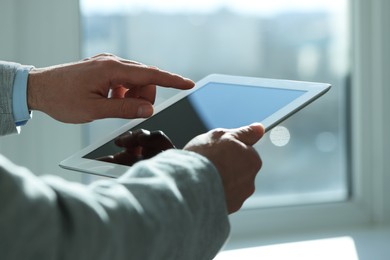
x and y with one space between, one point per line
326 171
300 40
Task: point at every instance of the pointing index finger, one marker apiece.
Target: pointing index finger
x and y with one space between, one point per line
141 75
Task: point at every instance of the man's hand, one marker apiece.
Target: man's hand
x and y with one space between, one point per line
234 157
139 145
103 86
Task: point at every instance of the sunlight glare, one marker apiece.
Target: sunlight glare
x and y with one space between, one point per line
255 7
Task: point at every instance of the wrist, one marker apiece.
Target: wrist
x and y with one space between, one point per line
33 92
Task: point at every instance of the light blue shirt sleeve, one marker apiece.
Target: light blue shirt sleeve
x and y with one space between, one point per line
19 96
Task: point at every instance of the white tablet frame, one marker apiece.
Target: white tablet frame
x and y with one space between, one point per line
313 91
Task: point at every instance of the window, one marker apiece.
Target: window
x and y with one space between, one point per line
305 158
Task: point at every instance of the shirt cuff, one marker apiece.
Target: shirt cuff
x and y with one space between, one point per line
19 96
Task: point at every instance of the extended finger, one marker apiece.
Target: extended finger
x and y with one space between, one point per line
141 75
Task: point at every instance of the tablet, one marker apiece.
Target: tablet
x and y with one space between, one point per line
217 101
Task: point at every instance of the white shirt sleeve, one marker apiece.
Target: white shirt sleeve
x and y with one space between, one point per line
19 96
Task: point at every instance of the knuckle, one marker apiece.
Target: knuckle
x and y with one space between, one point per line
254 160
257 163
218 132
142 131
106 60
104 54
153 68
97 56
238 206
158 134
110 61
107 54
251 190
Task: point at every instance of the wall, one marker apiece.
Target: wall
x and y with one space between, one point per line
41 33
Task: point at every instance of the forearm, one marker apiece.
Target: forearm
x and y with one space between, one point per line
171 208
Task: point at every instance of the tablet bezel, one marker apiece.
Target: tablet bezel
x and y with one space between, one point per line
313 91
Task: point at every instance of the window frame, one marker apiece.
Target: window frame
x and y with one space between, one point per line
369 200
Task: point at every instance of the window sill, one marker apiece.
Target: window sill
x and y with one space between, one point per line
363 243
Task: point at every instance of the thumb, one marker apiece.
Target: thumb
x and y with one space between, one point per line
124 108
249 134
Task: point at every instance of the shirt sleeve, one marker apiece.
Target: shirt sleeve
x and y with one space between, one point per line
7 77
19 96
169 207
13 97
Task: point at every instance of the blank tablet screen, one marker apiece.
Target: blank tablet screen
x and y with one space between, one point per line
212 106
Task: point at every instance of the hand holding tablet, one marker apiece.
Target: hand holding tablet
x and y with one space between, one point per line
217 101
237 162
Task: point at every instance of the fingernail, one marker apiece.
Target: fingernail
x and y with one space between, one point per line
145 110
258 125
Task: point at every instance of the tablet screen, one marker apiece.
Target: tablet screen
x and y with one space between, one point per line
211 106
